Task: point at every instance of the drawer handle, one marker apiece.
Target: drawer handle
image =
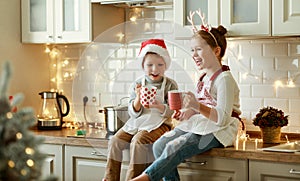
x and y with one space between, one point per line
198 163
97 154
293 171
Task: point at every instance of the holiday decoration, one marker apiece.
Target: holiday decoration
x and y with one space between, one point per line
19 153
270 120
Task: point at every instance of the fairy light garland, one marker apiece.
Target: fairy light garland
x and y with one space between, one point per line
284 82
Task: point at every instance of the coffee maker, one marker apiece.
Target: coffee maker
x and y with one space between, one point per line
50 115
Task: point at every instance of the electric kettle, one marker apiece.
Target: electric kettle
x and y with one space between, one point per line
50 115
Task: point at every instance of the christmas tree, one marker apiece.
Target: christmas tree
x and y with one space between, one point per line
19 147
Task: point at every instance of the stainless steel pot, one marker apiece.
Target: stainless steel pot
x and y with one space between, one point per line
115 117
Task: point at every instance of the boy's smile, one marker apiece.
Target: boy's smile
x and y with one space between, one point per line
154 66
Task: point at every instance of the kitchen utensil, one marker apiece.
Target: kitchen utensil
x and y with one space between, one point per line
50 115
115 116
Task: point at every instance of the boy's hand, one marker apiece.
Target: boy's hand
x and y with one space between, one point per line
158 105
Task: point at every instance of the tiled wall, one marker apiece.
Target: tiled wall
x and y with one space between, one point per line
105 76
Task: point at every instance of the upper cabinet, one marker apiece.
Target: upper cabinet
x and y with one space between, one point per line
244 17
56 21
286 17
182 10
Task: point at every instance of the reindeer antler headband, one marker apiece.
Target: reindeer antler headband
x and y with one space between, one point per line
205 27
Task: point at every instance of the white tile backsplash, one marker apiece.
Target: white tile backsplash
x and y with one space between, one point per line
255 64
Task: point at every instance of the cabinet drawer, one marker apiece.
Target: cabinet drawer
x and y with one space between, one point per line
263 171
213 168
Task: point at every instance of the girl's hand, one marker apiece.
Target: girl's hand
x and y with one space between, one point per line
190 102
180 116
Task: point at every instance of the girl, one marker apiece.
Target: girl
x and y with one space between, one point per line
210 118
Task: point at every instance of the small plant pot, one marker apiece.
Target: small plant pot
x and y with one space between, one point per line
271 134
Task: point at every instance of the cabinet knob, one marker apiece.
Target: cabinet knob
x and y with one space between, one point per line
293 171
59 37
50 36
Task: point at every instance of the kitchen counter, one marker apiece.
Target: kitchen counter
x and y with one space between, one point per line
249 149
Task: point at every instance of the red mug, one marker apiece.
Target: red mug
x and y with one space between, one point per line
175 99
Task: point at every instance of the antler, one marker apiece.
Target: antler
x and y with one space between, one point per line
204 25
191 20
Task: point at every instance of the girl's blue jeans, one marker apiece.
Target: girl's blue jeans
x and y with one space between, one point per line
173 148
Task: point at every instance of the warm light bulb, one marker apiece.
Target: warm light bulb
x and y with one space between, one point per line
133 18
29 151
278 83
30 163
290 83
66 62
121 36
23 172
11 164
245 75
9 115
19 135
47 50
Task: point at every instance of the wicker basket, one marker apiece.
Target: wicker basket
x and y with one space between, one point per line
271 134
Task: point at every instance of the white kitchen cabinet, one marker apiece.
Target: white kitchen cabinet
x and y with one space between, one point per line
86 163
53 164
264 171
286 17
182 9
246 17
213 169
56 21
243 17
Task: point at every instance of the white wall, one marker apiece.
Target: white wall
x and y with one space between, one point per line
256 64
29 62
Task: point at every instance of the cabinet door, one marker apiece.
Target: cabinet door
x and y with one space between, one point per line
56 21
264 171
53 164
72 21
182 9
213 169
286 17
37 21
86 163
246 17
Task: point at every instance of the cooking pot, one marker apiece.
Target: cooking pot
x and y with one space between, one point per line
115 117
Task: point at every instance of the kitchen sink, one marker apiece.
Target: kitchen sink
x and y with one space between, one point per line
286 147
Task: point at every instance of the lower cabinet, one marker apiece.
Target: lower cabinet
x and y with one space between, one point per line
86 163
265 171
54 163
213 169
78 163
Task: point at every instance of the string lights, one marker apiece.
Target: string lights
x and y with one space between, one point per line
288 81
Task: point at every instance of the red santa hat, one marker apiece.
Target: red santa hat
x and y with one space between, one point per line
157 46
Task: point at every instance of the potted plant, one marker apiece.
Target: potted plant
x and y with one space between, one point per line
270 120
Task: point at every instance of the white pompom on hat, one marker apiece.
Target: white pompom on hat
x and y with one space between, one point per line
157 46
